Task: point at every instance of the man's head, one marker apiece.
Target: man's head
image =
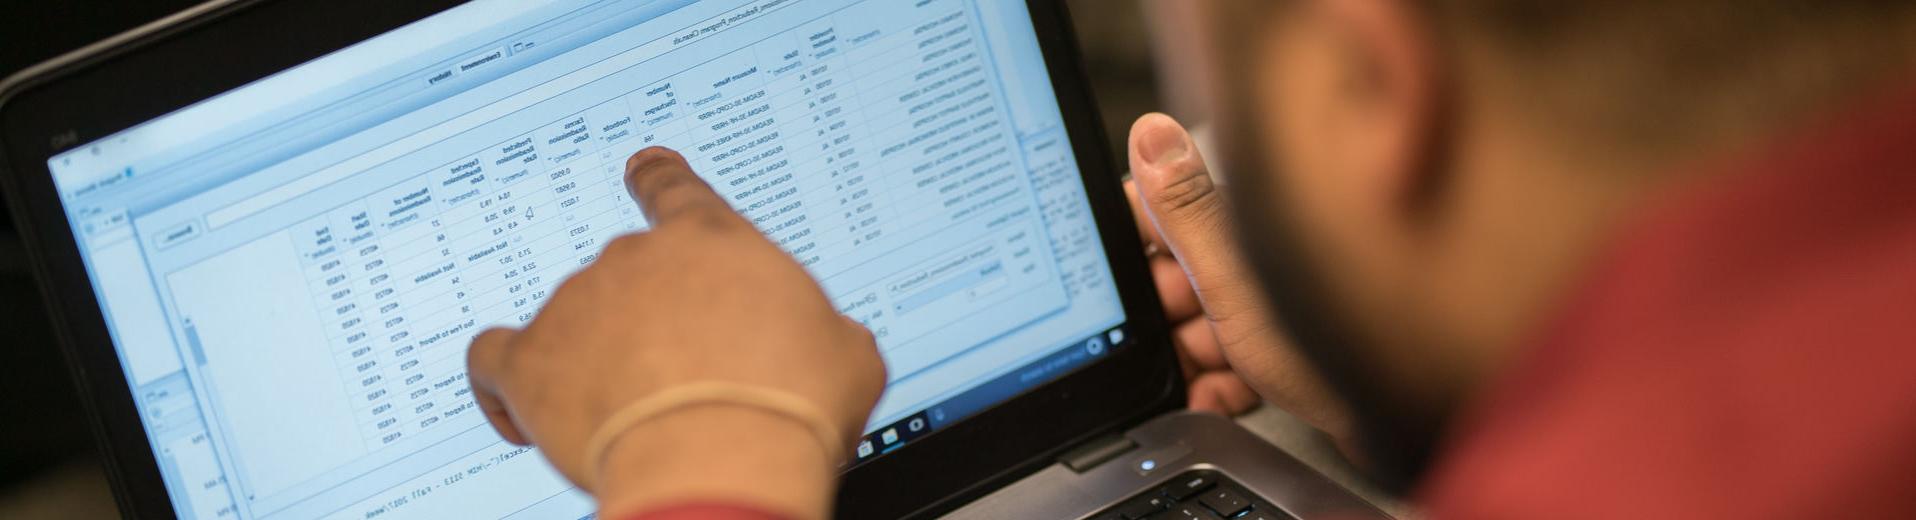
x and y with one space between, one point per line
1419 182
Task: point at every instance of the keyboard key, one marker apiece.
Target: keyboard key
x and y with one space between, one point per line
1261 510
1225 502
1187 487
1187 512
1195 495
1143 508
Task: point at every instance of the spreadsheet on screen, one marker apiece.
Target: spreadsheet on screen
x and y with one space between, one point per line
292 270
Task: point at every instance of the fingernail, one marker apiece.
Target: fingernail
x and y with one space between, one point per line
1163 144
644 158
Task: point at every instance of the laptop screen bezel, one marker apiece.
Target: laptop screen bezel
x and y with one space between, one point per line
83 97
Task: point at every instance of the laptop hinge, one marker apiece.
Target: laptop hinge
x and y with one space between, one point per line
1097 451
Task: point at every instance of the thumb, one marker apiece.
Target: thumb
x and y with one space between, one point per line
1183 202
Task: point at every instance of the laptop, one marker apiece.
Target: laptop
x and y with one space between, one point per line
268 230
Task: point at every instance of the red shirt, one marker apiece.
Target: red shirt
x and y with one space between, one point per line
1745 350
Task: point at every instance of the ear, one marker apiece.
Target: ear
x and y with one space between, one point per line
1391 74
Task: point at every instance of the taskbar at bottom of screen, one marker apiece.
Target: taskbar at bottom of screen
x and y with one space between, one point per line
1072 356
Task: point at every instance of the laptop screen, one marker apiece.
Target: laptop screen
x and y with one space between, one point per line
292 270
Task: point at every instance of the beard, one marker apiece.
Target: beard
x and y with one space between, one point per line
1396 439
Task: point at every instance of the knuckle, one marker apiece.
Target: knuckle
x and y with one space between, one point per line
666 187
1194 191
575 284
876 373
492 335
625 245
488 350
864 340
881 373
716 218
696 223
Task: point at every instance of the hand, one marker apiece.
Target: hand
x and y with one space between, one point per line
1231 349
1214 386
701 296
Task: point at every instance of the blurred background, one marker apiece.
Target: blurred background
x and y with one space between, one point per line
47 468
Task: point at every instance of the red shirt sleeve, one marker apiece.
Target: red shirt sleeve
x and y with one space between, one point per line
705 511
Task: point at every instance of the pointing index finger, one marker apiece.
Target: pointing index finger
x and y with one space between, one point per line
665 188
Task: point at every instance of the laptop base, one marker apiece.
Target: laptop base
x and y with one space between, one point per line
1160 450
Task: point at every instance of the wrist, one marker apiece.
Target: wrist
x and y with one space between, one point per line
717 453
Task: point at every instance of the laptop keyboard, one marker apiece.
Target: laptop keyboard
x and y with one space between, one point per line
1195 495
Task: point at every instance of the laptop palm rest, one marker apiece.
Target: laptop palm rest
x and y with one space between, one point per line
1165 447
